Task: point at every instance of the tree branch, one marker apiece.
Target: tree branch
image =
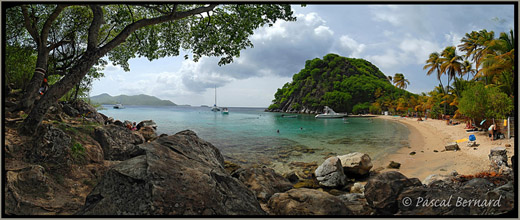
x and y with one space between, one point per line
131 28
32 31
93 31
47 25
156 9
54 46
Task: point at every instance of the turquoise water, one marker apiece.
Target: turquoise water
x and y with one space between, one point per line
249 135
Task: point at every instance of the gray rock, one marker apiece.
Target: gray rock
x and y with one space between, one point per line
179 174
306 202
356 163
357 188
498 157
452 147
52 145
330 173
264 182
394 165
437 179
118 142
356 203
382 191
148 132
146 123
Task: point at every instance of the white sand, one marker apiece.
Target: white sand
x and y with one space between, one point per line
431 135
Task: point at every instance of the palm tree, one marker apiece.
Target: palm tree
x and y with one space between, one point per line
467 69
450 63
400 81
434 64
475 44
499 56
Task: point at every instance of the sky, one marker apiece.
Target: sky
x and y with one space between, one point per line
395 38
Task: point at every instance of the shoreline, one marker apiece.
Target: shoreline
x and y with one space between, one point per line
427 136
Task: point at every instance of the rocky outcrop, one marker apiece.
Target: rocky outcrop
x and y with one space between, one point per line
330 173
118 142
83 109
382 191
306 202
179 174
264 182
437 179
356 164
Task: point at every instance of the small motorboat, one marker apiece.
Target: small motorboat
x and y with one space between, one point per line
225 111
329 113
119 106
289 116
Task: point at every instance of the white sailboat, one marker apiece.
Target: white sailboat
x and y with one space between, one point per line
215 108
329 113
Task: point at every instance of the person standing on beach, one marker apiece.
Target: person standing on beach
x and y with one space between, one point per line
492 130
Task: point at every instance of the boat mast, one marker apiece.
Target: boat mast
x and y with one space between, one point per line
215 95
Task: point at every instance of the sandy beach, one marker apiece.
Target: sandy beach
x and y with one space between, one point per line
427 136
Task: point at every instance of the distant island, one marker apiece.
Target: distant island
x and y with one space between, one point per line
130 100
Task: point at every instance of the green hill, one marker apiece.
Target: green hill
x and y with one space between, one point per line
344 84
130 100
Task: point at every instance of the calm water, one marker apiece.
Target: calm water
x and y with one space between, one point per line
249 135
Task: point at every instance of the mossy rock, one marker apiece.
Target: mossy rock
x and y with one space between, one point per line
230 166
307 183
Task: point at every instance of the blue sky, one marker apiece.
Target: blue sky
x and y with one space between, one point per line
396 38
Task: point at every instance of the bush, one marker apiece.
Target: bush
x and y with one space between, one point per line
479 102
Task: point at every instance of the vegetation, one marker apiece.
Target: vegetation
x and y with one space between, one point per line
344 84
130 100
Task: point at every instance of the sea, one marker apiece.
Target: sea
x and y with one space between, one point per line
251 136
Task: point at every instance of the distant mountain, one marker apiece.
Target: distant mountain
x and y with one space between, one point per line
130 100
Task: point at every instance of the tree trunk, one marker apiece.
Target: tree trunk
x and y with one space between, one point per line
31 91
57 91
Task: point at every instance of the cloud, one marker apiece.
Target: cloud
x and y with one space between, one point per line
388 60
351 47
418 49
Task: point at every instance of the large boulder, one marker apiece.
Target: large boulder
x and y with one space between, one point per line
330 173
118 142
356 203
382 190
83 109
51 145
306 202
452 147
357 164
437 179
179 174
146 123
148 133
264 182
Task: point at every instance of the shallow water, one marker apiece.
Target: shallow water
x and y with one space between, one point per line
249 135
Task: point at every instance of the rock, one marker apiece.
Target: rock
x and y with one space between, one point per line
330 173
506 195
306 202
179 175
357 164
412 153
118 123
118 142
230 167
307 183
508 145
148 133
436 151
382 191
83 109
498 157
452 147
454 173
27 190
292 177
394 165
146 123
52 145
478 183
472 144
436 179
356 203
357 188
264 182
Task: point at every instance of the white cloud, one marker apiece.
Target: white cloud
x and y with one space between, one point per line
418 49
388 60
350 46
323 31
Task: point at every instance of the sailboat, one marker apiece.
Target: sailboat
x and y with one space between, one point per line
215 108
329 113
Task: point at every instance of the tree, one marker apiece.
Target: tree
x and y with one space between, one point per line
479 102
122 32
467 69
400 81
450 63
